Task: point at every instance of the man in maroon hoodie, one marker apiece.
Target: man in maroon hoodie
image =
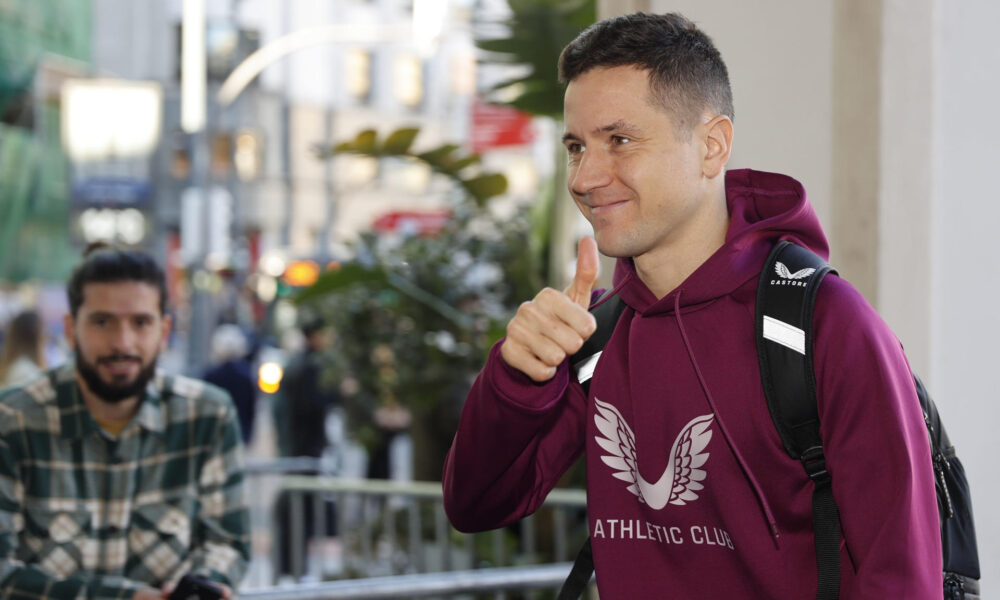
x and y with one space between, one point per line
690 492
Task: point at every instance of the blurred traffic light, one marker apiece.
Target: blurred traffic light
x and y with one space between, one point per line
301 273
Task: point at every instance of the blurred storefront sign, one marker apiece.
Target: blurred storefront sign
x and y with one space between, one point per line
494 126
111 192
106 119
412 222
110 128
129 225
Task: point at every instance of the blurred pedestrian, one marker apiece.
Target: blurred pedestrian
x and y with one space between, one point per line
304 401
232 372
116 480
23 356
300 418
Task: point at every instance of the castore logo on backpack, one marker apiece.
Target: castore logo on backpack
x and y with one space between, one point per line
786 277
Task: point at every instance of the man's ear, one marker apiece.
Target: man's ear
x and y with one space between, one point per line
718 145
68 331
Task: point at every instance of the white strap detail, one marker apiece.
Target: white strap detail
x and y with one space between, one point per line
585 368
784 334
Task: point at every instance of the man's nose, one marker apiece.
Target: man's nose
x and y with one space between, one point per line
594 170
124 338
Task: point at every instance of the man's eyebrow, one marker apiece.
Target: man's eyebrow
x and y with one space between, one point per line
619 125
106 314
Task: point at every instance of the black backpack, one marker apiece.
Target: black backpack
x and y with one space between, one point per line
784 348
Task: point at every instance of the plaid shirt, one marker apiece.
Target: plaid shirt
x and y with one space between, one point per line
83 515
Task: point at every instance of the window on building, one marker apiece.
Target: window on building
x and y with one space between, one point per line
358 71
408 80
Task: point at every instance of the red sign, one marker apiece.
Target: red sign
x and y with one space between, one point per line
494 126
412 221
174 269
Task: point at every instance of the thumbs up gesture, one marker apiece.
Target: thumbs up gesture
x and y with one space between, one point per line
554 324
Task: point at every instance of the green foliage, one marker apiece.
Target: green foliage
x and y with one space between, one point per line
536 34
415 315
463 170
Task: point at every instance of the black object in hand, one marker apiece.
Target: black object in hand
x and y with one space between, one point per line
196 587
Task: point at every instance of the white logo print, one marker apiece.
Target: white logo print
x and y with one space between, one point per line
789 278
681 479
784 273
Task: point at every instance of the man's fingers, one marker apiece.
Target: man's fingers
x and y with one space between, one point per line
587 262
552 326
524 359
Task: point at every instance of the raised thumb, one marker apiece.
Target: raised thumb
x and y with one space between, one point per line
587 262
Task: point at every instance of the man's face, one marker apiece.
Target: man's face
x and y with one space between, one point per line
117 335
632 174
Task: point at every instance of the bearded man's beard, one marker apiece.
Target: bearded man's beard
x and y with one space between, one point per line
116 391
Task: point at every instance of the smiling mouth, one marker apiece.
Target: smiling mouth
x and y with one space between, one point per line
598 209
120 364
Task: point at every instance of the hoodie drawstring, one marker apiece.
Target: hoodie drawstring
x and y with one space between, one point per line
768 515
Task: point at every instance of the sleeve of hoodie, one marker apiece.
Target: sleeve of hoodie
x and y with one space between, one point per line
877 451
515 440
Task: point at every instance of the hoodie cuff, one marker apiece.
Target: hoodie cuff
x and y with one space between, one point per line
520 391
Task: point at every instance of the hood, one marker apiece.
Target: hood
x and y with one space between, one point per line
764 208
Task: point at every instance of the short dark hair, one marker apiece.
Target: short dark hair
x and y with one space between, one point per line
686 71
312 324
110 264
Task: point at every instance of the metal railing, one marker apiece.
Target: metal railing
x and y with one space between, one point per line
503 579
380 529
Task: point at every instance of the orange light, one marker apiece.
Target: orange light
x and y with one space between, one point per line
301 273
269 377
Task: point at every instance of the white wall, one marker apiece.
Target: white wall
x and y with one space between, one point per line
905 189
966 210
780 59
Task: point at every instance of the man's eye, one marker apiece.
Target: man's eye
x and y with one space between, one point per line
620 140
574 148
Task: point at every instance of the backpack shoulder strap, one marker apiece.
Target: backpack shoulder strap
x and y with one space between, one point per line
786 296
607 310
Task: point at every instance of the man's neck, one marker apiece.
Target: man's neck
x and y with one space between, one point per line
102 410
666 267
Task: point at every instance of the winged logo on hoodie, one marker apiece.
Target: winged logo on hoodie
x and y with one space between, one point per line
681 480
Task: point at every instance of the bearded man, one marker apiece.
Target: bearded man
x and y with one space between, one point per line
115 479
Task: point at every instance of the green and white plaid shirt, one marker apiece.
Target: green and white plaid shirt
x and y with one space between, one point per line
84 515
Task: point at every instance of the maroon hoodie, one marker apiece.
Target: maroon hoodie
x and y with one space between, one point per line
690 493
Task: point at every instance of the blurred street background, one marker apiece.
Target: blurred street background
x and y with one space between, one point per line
355 195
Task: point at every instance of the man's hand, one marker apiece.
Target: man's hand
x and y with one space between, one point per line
169 587
554 324
148 593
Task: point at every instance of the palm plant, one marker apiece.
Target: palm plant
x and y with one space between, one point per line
532 38
415 314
